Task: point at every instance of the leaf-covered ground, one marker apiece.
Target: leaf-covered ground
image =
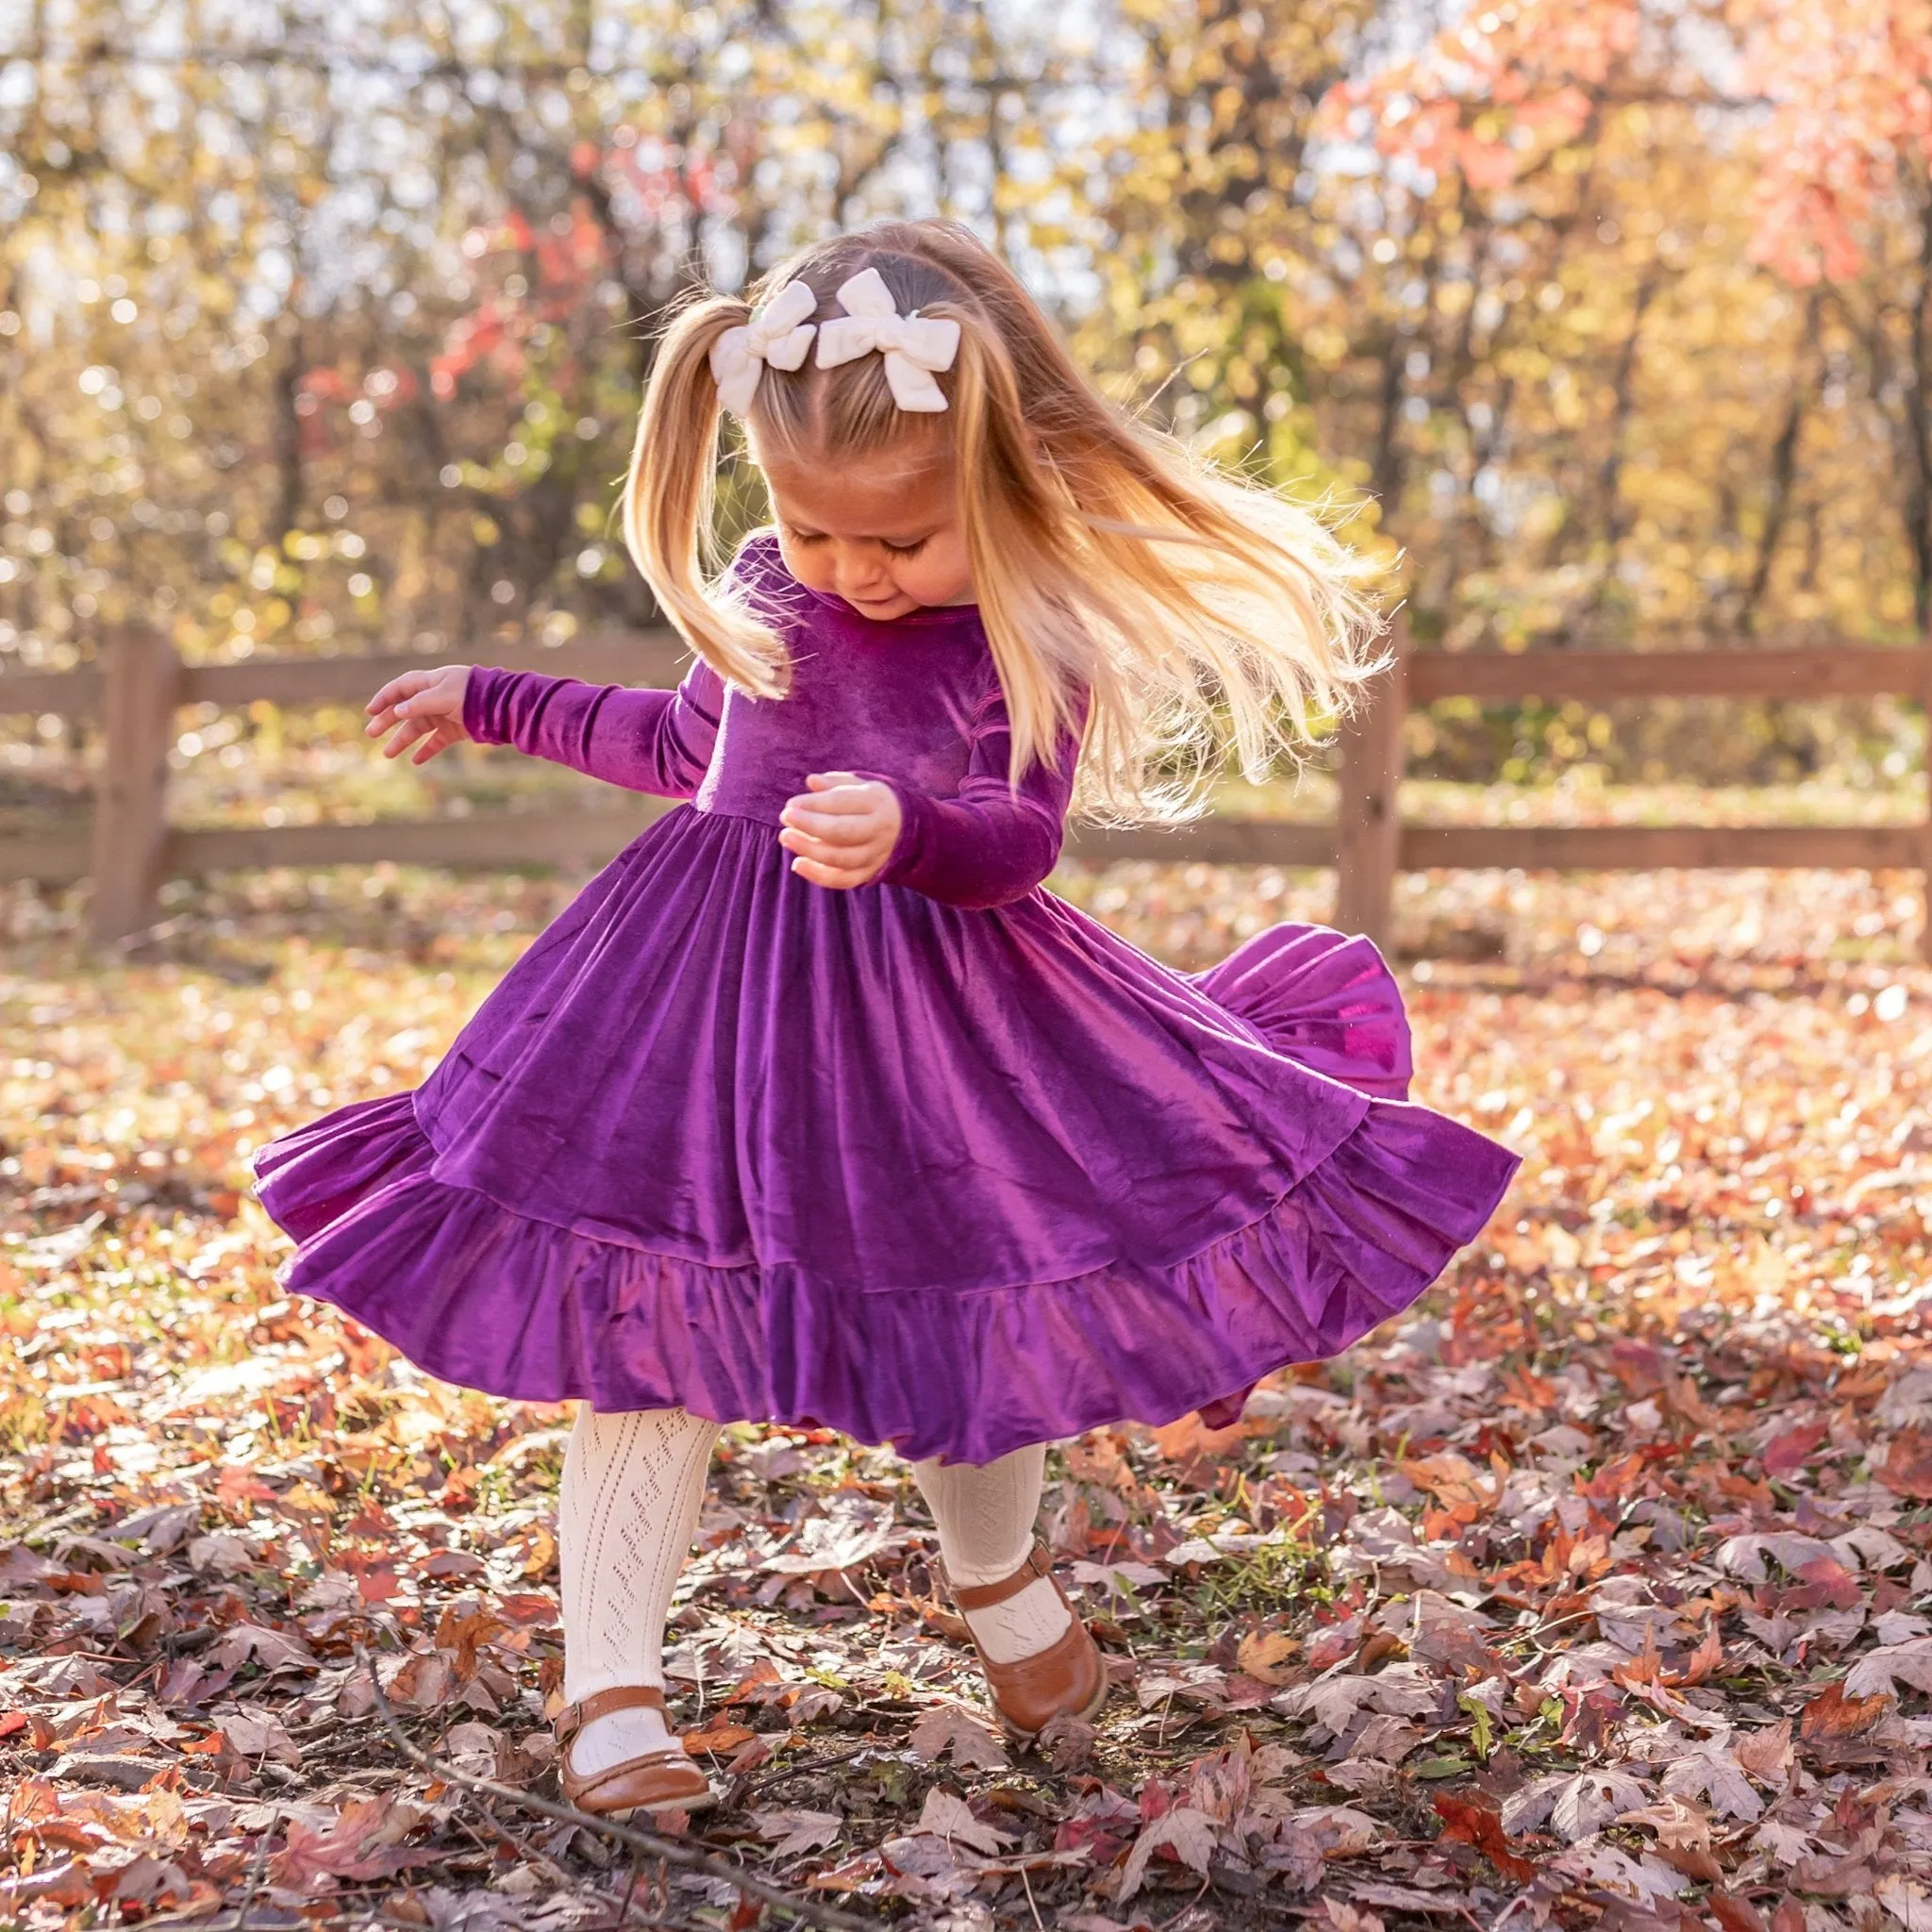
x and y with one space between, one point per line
1595 1594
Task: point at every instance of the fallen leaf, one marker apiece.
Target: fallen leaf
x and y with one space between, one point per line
1189 1834
798 1831
1883 1670
273 1650
952 1728
1265 1655
1832 1714
1767 1754
948 1816
1481 1826
365 1843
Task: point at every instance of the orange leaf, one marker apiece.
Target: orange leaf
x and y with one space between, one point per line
1263 1654
720 1737
1190 1440
1832 1714
1705 1661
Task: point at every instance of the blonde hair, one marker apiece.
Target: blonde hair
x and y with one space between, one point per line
1196 613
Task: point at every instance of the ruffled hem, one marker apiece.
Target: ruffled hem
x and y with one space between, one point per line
478 1294
1325 1000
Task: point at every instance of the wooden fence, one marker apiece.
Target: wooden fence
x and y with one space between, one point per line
139 683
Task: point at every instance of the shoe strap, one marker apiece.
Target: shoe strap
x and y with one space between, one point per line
982 1596
574 1717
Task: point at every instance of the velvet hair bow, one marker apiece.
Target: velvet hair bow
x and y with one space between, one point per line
779 333
914 347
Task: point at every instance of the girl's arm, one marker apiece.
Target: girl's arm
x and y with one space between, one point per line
989 844
646 741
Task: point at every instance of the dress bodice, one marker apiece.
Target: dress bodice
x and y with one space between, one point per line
915 702
900 700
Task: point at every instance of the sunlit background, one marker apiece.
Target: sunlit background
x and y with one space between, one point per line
321 327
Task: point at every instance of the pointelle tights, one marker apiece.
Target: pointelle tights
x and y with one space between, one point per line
633 1485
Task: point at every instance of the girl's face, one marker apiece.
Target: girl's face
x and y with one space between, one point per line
886 541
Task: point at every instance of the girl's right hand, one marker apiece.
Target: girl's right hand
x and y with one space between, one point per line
425 708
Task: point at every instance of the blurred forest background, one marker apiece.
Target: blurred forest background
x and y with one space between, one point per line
322 327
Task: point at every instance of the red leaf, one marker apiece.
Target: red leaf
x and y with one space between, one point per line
1830 1578
1476 1825
1906 1469
1734 1914
1789 1453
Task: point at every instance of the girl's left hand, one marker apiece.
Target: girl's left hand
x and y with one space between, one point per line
843 829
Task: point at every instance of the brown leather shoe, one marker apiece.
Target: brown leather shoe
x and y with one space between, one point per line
664 1780
1068 1679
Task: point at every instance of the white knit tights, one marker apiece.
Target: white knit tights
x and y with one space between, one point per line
628 1509
985 1512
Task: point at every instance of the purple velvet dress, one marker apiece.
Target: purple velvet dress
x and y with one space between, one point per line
939 1162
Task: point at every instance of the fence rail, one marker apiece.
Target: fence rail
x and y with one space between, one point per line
140 683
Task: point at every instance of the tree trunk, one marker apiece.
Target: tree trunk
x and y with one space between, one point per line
1784 465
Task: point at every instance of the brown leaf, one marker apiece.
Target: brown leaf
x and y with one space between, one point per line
424 1682
363 1843
460 1630
1767 1754
274 1650
798 1831
1703 1663
1188 1835
1343 1918
948 1816
1190 1440
951 1728
1455 1482
256 1735
1832 1714
1736 1914
1906 1469
719 1735
1068 1743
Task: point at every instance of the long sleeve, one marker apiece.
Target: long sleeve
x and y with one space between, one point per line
989 844
646 741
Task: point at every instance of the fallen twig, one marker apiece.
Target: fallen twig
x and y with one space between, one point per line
254 1877
764 1779
668 1849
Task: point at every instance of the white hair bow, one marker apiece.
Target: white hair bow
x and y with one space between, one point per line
779 333
914 347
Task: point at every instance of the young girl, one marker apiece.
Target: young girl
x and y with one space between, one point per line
815 1107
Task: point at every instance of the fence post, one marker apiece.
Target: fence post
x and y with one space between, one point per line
140 686
1369 828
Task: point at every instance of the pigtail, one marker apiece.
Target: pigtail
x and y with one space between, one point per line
671 494
1202 618
1013 527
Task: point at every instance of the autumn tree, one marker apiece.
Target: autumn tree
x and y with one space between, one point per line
1609 322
